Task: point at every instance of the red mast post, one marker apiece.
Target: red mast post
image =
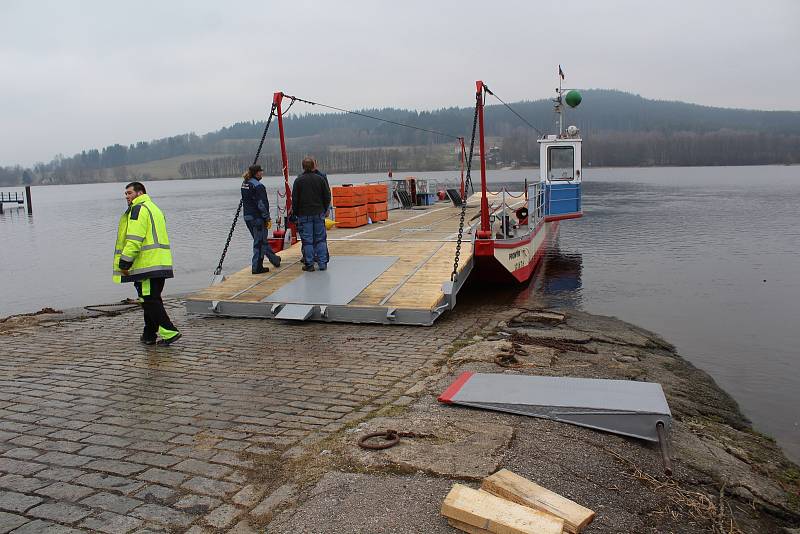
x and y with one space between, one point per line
485 232
277 98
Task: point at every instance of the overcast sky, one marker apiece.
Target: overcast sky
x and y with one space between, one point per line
85 74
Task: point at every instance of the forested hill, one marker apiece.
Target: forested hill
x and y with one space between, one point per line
619 129
601 110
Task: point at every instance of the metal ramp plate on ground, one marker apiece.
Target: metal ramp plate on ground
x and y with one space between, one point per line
344 279
619 406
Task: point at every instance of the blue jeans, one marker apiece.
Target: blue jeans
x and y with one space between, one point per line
311 229
261 246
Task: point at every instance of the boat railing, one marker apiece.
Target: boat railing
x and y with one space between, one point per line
536 204
512 202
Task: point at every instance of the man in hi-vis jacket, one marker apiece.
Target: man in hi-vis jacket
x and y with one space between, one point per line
142 255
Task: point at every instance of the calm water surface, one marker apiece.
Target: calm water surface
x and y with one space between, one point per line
707 257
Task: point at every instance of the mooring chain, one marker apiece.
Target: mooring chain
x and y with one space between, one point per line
390 437
218 270
467 184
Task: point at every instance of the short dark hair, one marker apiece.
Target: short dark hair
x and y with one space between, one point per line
308 164
137 186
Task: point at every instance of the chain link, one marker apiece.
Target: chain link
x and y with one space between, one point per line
467 185
218 270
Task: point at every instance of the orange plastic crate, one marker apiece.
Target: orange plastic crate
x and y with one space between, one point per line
349 196
377 193
351 222
350 212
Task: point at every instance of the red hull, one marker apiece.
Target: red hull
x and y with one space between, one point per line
489 269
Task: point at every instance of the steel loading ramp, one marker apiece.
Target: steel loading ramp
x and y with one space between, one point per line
620 406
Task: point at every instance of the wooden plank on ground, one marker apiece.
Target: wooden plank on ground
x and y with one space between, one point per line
489 512
466 527
513 487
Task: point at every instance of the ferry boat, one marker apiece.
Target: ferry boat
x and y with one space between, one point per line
513 236
410 268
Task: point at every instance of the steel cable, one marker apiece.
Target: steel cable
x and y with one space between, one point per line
514 112
372 117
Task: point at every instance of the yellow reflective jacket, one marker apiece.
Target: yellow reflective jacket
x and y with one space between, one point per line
142 243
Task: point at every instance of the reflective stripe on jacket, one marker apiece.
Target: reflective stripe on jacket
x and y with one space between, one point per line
142 243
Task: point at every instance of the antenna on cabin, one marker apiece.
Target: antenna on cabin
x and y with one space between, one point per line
573 99
559 107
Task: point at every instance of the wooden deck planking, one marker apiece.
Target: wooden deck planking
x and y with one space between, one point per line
423 241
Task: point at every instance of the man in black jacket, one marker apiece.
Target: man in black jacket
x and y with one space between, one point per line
311 198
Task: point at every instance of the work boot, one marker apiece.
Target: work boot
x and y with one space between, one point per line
168 337
308 268
171 340
277 262
147 341
323 266
260 270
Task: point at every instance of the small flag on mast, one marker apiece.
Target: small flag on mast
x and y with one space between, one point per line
560 72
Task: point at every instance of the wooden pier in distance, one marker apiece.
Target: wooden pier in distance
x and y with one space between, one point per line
16 198
394 272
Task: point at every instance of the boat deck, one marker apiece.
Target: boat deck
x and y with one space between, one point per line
395 272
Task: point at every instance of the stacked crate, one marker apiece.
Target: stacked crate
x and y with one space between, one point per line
377 206
350 202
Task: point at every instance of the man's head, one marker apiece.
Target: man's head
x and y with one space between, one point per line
308 164
256 172
133 190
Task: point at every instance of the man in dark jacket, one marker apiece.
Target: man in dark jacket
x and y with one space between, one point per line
257 218
311 198
327 210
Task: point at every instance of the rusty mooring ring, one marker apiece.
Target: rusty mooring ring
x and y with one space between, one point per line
391 436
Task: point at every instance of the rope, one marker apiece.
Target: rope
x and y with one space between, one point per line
372 117
514 112
467 183
390 439
120 307
507 193
218 270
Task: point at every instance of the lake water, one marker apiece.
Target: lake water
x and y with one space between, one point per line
707 257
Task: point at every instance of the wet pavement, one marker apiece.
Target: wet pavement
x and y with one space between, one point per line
101 433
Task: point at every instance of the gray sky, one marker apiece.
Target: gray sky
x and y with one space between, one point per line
86 74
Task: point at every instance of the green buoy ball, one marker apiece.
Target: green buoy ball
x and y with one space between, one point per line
573 98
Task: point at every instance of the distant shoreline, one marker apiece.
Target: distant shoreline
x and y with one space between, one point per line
398 172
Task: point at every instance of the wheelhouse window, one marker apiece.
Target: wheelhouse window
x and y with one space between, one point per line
561 163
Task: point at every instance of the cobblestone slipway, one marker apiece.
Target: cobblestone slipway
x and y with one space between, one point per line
100 433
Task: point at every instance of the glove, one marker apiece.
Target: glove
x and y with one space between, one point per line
292 218
268 224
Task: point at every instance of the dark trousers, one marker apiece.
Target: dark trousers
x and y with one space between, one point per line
314 236
261 246
155 315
